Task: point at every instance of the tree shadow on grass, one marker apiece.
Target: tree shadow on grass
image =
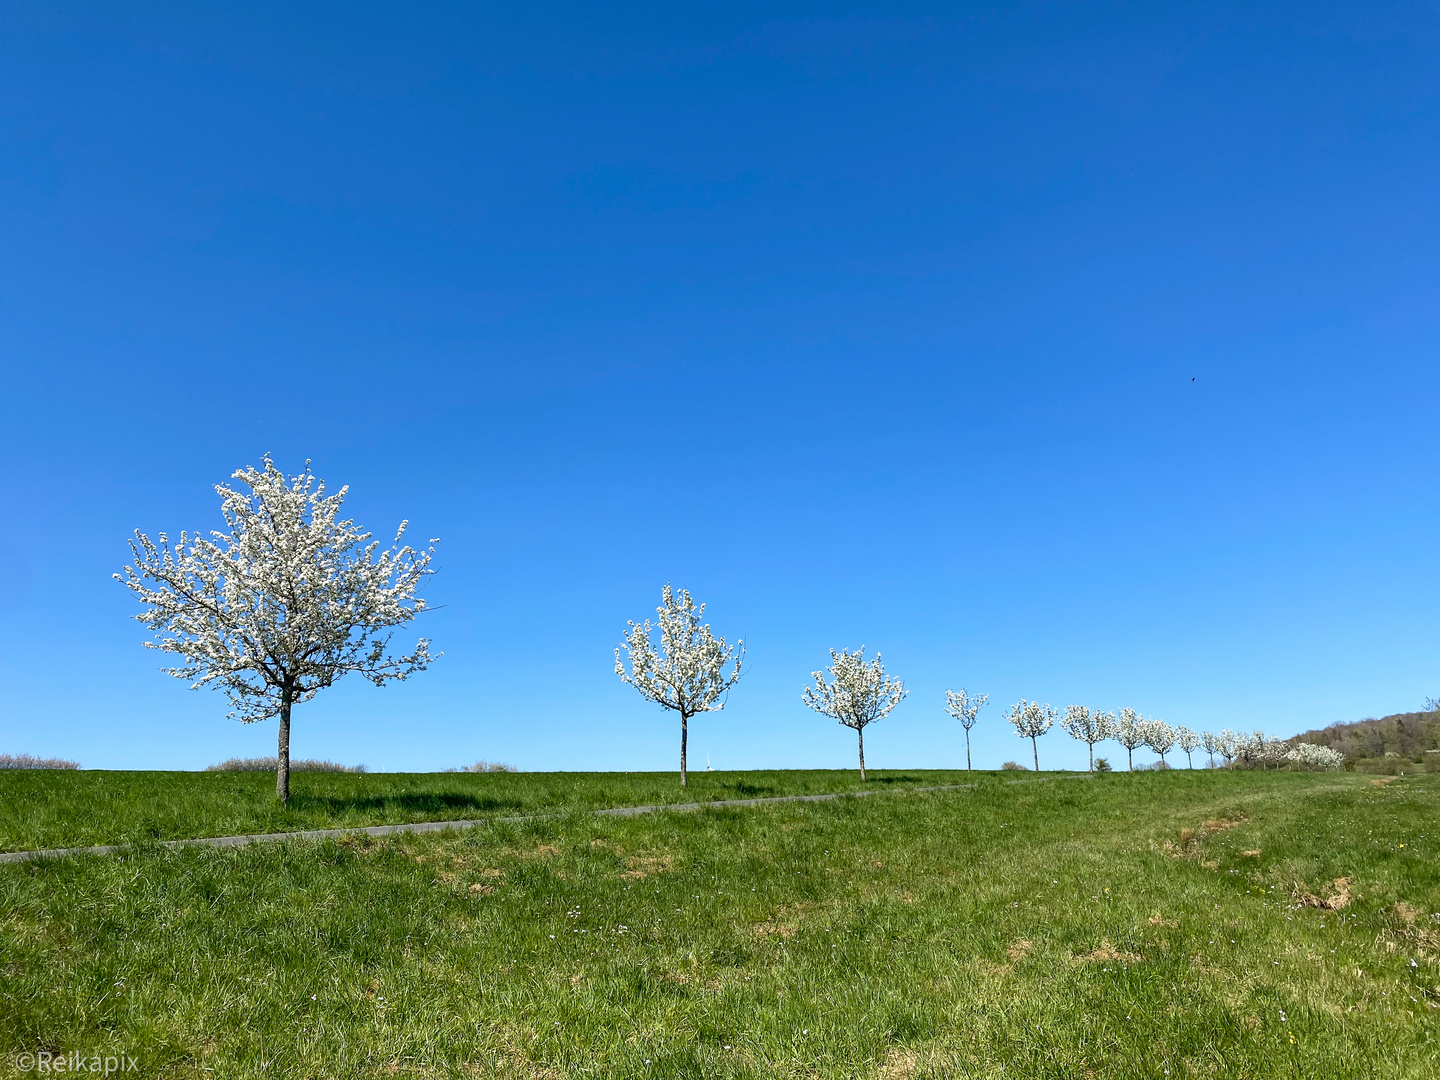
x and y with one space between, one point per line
406 802
746 789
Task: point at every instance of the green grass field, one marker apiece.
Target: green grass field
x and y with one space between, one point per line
1149 925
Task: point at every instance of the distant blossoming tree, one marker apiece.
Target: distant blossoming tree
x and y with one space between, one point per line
285 602
1090 726
1211 742
965 709
1130 733
1314 756
856 694
1030 720
1229 744
1160 737
688 673
1188 741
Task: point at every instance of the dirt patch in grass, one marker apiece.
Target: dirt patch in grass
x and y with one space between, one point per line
638 867
1107 953
1339 895
1187 846
1020 949
898 1065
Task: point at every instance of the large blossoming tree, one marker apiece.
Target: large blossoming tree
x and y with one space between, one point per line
856 694
688 672
284 602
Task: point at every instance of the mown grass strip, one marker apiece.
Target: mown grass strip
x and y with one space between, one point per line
441 826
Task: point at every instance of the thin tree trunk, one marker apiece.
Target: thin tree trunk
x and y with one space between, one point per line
282 756
1131 755
1034 750
967 751
860 731
1092 757
1190 759
684 738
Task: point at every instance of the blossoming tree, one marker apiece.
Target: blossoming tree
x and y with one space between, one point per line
856 694
1314 756
1228 743
285 602
1090 726
965 708
688 672
1211 742
1130 733
1030 720
1189 741
1160 737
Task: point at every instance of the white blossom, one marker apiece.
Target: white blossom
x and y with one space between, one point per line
1030 720
285 602
965 708
856 694
1307 755
1160 737
687 674
1187 740
1090 726
1129 732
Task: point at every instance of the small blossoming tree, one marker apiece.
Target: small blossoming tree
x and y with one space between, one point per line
285 602
1228 744
965 709
687 673
1160 737
1188 741
1030 720
1211 742
1130 733
856 694
1087 725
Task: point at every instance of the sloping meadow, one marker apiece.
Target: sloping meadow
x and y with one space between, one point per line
1161 924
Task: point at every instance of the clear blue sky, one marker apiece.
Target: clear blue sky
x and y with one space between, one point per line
1079 352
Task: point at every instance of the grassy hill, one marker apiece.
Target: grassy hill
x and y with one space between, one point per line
1181 924
1376 744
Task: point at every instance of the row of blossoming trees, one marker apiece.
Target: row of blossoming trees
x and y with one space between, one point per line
291 596
692 670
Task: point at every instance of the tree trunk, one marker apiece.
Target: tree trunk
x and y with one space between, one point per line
967 751
1131 755
1092 757
684 737
860 731
1035 750
282 756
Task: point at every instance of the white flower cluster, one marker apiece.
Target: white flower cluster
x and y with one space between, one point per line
287 601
